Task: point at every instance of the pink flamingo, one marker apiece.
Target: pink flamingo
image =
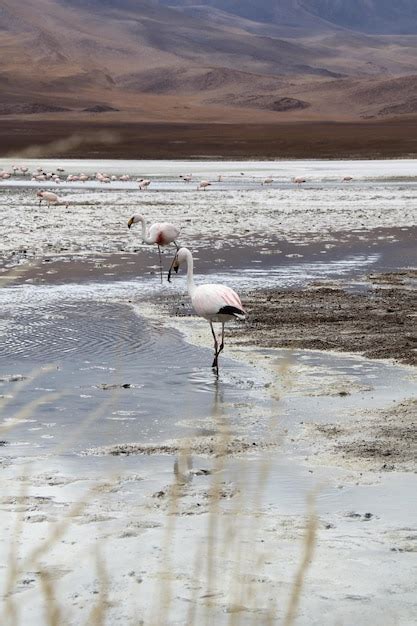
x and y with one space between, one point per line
203 185
216 303
161 233
144 183
50 198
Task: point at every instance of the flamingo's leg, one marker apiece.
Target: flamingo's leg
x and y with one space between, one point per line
173 261
170 268
160 262
218 350
222 343
216 354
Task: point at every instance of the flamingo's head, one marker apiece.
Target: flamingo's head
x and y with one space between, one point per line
134 220
180 258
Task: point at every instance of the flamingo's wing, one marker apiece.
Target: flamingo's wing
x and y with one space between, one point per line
170 231
211 299
163 233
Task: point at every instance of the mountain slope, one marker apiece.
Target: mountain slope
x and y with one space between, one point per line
368 16
192 62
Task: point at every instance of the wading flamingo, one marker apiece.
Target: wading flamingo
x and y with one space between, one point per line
144 183
203 185
161 233
299 180
50 198
216 303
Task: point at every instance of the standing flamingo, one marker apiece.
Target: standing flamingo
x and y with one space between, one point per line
161 233
203 185
144 183
50 198
216 303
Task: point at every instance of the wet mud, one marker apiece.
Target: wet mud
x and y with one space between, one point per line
383 441
379 322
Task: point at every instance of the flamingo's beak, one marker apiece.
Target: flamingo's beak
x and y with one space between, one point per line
130 222
174 266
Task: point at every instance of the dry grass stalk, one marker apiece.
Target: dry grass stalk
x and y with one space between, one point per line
176 491
308 553
215 493
53 613
27 411
98 613
10 612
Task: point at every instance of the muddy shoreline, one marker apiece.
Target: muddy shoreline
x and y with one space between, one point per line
92 138
379 323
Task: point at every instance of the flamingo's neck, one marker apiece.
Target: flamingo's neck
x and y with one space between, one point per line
145 238
190 274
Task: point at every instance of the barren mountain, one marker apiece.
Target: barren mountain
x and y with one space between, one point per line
367 16
220 60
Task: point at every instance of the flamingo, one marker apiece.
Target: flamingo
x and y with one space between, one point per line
203 185
216 303
161 233
268 181
51 198
347 179
144 183
299 180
